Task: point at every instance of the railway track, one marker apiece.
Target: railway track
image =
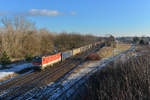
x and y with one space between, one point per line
45 96
19 80
20 86
76 85
30 81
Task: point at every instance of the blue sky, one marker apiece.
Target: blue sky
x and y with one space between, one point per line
123 17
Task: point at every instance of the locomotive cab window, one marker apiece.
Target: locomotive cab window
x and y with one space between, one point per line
37 59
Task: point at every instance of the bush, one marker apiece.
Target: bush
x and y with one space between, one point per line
136 40
143 42
5 59
93 56
122 81
28 57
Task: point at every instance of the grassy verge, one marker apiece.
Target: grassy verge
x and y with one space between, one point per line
1 68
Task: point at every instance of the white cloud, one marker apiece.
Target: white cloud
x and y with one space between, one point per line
37 12
73 13
43 12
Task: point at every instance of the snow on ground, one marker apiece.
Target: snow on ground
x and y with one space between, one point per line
52 92
15 77
14 68
55 90
63 88
3 82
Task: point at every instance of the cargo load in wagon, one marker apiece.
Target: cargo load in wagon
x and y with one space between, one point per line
66 54
76 51
83 49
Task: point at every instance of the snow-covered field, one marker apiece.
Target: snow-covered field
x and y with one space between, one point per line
13 69
68 85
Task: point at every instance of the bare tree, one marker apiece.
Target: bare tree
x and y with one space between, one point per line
20 37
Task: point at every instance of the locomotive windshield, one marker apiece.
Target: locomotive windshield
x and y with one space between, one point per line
37 59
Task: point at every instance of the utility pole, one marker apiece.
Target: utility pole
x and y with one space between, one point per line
113 47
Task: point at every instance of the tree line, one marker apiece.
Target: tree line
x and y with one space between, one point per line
141 40
20 38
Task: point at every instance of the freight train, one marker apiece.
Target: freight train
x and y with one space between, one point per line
41 62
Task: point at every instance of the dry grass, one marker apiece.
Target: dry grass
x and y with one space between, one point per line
105 52
109 51
122 81
123 47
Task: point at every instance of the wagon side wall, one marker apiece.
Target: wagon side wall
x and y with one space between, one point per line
66 54
76 51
